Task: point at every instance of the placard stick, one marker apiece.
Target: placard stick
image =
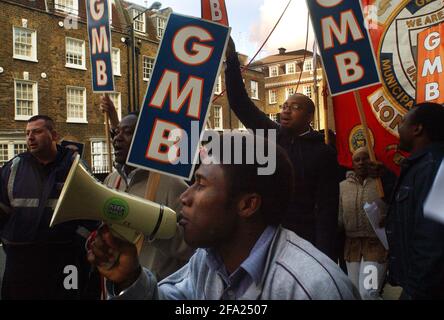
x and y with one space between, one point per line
371 152
151 186
108 141
150 194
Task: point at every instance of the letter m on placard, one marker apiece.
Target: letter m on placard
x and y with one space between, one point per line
191 92
348 22
99 40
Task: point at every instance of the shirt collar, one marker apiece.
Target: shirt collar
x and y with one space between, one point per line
306 132
417 156
254 265
128 177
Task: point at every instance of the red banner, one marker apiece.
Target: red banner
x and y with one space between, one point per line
215 10
394 29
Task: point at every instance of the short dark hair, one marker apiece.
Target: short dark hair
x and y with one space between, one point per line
431 116
275 190
49 123
310 104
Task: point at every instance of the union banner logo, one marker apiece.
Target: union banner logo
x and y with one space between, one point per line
356 138
395 25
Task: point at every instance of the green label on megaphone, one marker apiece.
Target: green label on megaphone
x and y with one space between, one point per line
116 209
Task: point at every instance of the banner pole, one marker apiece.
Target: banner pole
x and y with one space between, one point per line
371 152
325 104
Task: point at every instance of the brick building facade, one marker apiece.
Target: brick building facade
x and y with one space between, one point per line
45 69
221 113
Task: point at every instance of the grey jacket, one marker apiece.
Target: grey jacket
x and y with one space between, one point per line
295 270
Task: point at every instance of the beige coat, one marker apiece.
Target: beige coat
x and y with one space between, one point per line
361 241
352 198
162 257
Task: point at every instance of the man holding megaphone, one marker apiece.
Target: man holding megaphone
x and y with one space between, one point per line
163 257
233 215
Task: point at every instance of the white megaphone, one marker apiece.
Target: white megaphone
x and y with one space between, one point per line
84 198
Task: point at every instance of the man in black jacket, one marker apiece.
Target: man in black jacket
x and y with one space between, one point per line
313 212
416 254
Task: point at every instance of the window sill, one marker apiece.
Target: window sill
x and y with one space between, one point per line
73 66
25 59
22 118
117 74
257 99
73 12
76 121
146 80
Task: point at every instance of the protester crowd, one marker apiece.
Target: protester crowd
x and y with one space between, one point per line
239 235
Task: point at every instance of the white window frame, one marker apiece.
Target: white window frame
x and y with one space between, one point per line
10 148
218 87
308 91
241 126
33 57
141 19
254 93
75 66
117 104
287 92
288 66
270 96
76 120
35 106
143 67
160 31
270 68
273 117
308 65
221 120
115 57
104 156
74 10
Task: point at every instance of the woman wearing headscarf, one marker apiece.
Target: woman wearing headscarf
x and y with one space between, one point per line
364 253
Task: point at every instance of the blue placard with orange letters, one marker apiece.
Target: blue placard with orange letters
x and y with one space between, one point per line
345 46
99 32
175 108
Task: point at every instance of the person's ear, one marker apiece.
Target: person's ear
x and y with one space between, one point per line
311 116
55 136
418 130
249 204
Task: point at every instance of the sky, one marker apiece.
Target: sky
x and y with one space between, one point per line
252 20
